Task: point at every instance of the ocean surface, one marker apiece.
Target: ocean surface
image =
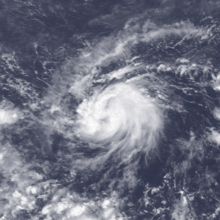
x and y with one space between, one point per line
109 110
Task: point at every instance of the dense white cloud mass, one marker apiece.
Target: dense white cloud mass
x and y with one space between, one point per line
121 116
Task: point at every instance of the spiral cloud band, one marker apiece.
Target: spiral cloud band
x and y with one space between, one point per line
122 117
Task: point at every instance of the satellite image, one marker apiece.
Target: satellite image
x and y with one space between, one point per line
109 110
